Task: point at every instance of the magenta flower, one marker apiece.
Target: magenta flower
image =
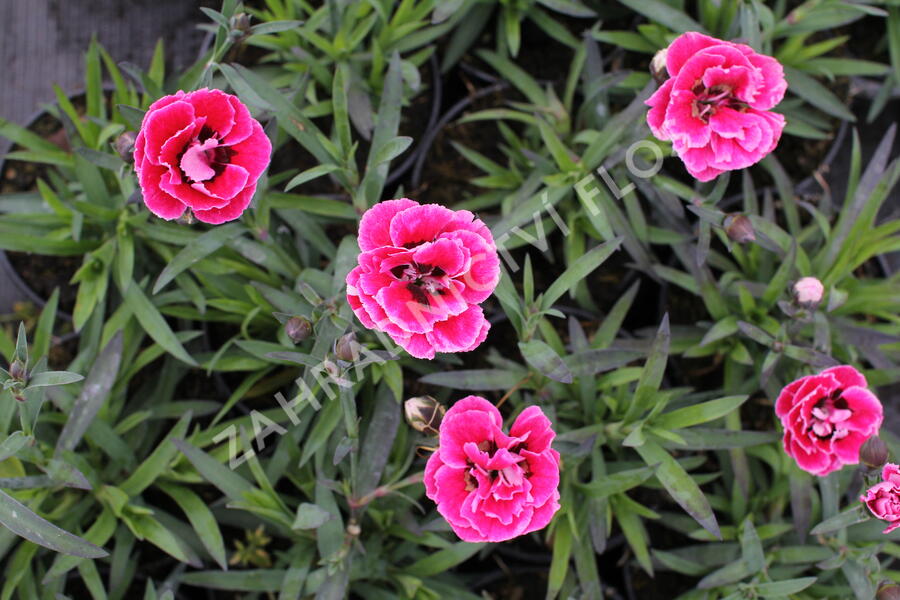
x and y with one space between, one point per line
827 418
883 498
201 150
715 105
422 272
490 486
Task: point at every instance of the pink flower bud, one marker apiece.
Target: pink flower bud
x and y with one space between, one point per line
808 291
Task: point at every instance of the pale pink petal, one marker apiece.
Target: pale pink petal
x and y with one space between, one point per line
458 333
195 162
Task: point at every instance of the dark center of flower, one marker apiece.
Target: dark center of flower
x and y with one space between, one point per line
708 100
202 159
828 417
422 280
512 475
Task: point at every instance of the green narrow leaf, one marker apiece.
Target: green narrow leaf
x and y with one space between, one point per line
784 588
94 393
634 531
683 489
816 94
652 374
310 516
545 360
662 13
379 440
578 270
751 547
340 111
13 443
392 149
617 483
19 519
698 413
842 520
50 378
475 379
443 560
562 553
158 461
230 483
43 333
155 325
201 519
196 250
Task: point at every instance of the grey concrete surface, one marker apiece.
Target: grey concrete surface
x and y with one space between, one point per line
43 42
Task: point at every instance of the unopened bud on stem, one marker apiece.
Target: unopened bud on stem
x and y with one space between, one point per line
17 370
424 414
124 146
298 329
241 22
658 66
739 229
874 453
345 347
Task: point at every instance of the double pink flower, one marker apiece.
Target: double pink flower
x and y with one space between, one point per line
883 498
491 486
201 150
422 273
827 418
715 106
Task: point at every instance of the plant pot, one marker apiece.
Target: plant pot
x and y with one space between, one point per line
14 285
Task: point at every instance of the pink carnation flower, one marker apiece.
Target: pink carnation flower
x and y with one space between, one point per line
715 105
883 499
201 150
422 272
491 486
827 418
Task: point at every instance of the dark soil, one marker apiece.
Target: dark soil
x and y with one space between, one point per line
43 274
447 174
